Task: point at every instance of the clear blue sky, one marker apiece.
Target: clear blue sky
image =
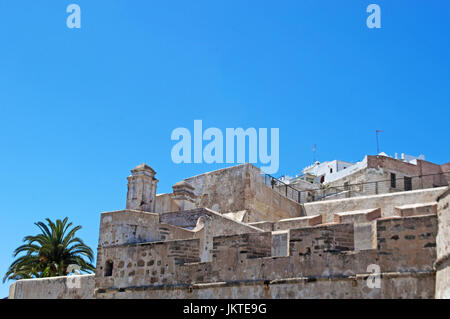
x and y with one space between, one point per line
80 108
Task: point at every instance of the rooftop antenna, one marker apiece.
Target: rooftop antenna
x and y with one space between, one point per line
314 153
378 144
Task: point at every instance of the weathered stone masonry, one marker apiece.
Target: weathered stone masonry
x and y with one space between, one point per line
225 234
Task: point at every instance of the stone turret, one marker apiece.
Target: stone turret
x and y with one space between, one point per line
183 194
142 188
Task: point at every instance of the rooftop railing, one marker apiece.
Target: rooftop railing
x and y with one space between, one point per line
320 192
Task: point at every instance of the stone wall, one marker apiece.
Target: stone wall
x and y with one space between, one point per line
265 204
230 249
221 224
298 222
72 287
392 164
221 190
442 264
410 241
433 174
324 249
375 177
165 203
242 188
128 226
393 286
445 168
386 202
215 224
405 248
145 264
430 171
243 266
319 239
280 243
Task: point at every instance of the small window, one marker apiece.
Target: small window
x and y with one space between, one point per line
408 183
331 170
393 181
108 268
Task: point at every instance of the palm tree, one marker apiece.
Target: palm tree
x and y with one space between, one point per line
50 253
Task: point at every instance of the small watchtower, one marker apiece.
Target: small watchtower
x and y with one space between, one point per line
142 188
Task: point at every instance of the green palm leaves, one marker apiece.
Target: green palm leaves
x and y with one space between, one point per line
50 253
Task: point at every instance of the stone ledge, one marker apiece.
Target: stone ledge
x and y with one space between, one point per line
298 222
381 196
416 209
358 216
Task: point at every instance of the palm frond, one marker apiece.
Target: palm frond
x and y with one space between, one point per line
50 252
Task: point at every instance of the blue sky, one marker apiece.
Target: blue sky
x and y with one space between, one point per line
80 108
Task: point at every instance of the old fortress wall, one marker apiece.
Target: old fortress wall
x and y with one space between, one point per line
226 234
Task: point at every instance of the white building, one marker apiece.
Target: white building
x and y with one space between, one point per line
323 170
330 171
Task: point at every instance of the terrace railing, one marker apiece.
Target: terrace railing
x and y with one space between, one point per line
347 190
